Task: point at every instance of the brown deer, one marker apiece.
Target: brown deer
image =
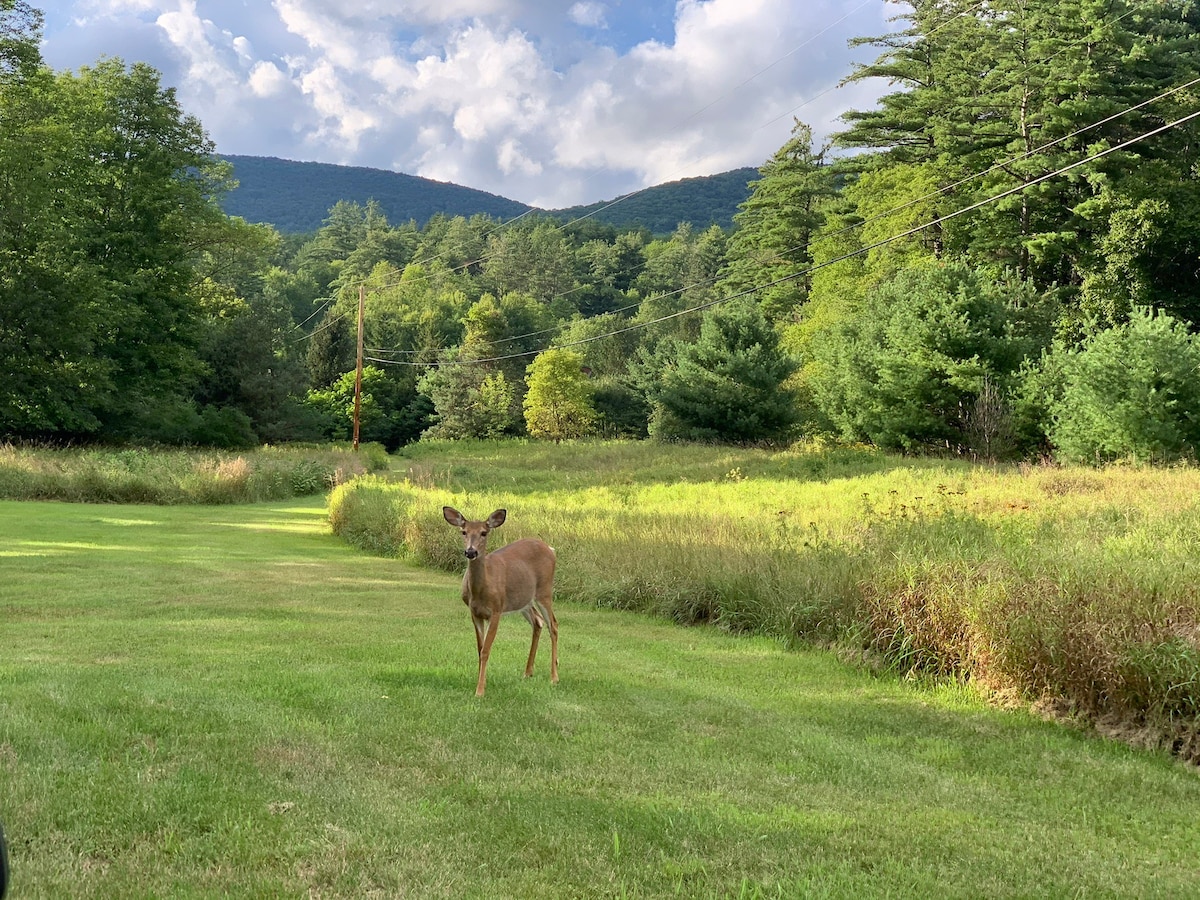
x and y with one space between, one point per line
518 577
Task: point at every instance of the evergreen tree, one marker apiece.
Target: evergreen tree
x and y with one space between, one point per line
469 401
1019 89
906 367
728 386
776 224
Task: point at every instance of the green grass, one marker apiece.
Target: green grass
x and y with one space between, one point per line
1071 587
229 701
134 475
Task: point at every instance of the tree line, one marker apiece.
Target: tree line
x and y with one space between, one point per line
1001 259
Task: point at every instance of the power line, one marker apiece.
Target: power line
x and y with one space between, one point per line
635 193
876 217
784 254
858 252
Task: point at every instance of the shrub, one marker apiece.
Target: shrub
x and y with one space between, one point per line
1131 391
927 359
728 386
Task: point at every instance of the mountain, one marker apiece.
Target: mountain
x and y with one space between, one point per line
703 201
296 197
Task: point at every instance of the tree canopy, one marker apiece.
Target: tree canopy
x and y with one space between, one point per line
1017 221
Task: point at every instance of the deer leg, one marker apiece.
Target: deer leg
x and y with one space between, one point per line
480 628
485 651
553 646
545 613
536 621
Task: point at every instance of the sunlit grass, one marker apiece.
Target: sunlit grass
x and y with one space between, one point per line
1070 586
229 701
137 475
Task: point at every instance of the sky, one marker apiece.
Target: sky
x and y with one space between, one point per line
549 102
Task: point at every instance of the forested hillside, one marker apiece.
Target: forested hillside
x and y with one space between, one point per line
295 197
1000 260
703 201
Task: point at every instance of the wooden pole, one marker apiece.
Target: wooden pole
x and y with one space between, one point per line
362 296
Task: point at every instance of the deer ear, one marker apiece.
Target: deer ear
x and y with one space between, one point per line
453 516
496 519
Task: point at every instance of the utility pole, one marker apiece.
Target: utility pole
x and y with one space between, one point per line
362 297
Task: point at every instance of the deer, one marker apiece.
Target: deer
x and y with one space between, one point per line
519 577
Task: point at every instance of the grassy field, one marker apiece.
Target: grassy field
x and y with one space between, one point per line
137 475
1068 586
229 701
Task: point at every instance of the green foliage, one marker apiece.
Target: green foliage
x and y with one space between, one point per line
112 197
776 226
926 358
132 309
981 91
390 413
184 424
469 401
621 409
728 386
1131 391
20 36
558 404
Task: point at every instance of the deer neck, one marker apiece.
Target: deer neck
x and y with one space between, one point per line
477 572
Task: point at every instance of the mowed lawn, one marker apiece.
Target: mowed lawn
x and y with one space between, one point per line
228 701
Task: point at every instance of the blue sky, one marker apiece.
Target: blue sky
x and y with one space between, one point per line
551 102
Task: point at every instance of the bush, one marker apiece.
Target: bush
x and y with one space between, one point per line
623 411
728 386
1131 391
183 424
928 360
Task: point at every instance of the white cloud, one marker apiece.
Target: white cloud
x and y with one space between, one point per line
511 158
539 100
268 80
588 14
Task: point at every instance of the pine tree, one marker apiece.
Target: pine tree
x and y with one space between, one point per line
776 224
728 386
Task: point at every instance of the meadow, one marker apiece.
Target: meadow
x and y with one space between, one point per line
228 700
139 475
1068 587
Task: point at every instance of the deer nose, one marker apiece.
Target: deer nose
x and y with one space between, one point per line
471 552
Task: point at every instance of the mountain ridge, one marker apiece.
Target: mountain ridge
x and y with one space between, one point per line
295 197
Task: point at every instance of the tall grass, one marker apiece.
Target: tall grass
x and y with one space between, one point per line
1072 587
173 477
